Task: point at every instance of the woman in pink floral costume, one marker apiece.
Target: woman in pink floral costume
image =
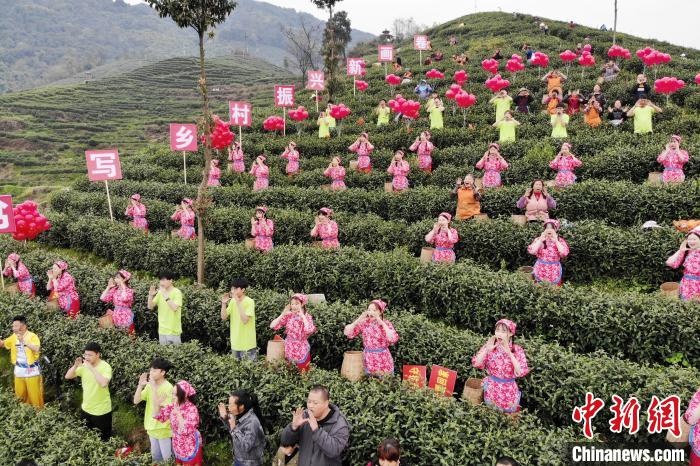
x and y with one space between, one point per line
292 155
549 248
336 173
237 158
444 237
184 422
565 163
493 164
504 361
688 255
424 149
185 215
363 148
121 295
377 335
15 268
298 326
214 174
326 229
673 158
62 287
262 229
399 168
137 212
261 172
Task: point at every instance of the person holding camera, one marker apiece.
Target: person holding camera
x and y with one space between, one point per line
243 421
549 248
152 385
326 229
468 198
320 430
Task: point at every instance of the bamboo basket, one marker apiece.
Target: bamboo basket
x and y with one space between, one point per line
481 217
473 392
670 289
106 321
250 243
12 288
655 177
353 165
317 298
388 187
275 352
317 244
353 367
426 255
519 220
52 303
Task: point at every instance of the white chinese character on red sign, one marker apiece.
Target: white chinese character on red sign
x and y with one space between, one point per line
183 137
7 216
315 80
386 53
284 96
420 42
355 66
240 113
103 165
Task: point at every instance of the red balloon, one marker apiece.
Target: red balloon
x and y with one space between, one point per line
567 55
392 79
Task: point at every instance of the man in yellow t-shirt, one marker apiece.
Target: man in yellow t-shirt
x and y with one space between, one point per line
642 112
95 374
24 349
241 311
169 302
154 385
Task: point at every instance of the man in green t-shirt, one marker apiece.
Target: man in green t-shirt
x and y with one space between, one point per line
169 302
95 374
241 311
154 385
642 112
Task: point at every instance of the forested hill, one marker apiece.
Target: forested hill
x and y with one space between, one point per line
43 41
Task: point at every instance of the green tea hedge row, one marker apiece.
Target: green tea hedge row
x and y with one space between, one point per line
558 381
597 249
433 431
49 436
643 328
618 203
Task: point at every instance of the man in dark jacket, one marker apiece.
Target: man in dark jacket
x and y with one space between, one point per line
321 430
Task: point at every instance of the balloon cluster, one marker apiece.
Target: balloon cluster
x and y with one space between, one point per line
497 83
697 78
586 59
465 99
392 80
407 108
435 74
652 57
361 85
363 65
490 65
273 123
339 111
300 114
587 48
460 77
616 51
567 56
515 63
28 221
452 92
668 85
221 137
540 59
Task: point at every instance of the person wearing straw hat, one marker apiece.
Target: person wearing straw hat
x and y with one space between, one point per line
262 229
468 198
184 422
493 164
62 287
559 121
236 158
137 211
240 309
121 296
15 267
444 237
214 178
523 100
261 172
502 101
424 149
298 326
326 229
377 335
25 347
537 202
549 248
399 168
688 255
565 163
506 127
363 148
673 158
336 173
504 361
185 215
292 155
